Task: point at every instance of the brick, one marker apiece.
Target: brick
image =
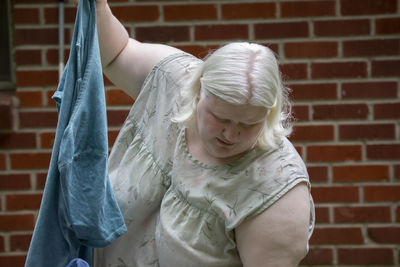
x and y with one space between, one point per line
162 34
248 11
330 70
200 51
340 112
334 194
21 161
307 9
28 57
2 162
52 56
387 26
367 256
36 78
51 15
311 49
369 90
30 1
29 98
361 173
387 111
367 131
318 256
376 193
38 119
118 98
385 235
221 32
362 214
112 136
47 139
294 71
23 202
301 113
12 260
17 140
190 12
398 214
133 13
16 222
396 173
342 28
15 182
322 215
41 180
334 153
348 235
312 133
383 151
385 68
318 173
323 91
116 117
6 112
369 48
278 30
41 36
50 102
2 245
368 7
25 16
20 242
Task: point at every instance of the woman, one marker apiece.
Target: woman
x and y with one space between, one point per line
201 169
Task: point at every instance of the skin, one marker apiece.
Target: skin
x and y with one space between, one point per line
276 237
223 132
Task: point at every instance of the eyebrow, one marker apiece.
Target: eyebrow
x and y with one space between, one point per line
247 122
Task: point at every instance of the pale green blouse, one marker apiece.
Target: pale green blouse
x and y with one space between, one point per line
180 212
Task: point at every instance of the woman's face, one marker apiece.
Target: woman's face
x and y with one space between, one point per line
227 130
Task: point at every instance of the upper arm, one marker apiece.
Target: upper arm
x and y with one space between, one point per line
278 236
131 67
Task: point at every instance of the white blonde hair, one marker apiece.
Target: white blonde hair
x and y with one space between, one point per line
241 73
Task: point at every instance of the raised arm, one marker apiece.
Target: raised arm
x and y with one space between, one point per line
126 62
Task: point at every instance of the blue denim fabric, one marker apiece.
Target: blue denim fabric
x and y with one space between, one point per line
78 263
78 210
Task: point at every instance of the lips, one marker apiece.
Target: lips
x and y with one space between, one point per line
223 142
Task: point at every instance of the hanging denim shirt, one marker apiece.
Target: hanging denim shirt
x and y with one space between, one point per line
78 209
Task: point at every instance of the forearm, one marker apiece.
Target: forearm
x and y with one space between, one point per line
112 35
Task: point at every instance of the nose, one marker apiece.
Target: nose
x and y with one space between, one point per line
231 133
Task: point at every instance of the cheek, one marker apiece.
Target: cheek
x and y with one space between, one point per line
252 134
211 124
207 126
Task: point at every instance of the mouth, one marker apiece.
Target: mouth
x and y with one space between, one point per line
224 143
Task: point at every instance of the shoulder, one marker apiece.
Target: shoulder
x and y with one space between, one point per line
279 234
264 179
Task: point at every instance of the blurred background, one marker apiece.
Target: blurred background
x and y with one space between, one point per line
340 57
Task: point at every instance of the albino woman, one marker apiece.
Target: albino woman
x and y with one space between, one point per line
202 169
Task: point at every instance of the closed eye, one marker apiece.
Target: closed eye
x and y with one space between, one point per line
220 119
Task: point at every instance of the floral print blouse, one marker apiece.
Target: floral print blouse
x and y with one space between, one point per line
179 211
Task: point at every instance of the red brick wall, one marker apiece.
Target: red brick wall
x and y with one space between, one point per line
340 57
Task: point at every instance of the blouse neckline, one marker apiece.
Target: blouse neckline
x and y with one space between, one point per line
183 144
